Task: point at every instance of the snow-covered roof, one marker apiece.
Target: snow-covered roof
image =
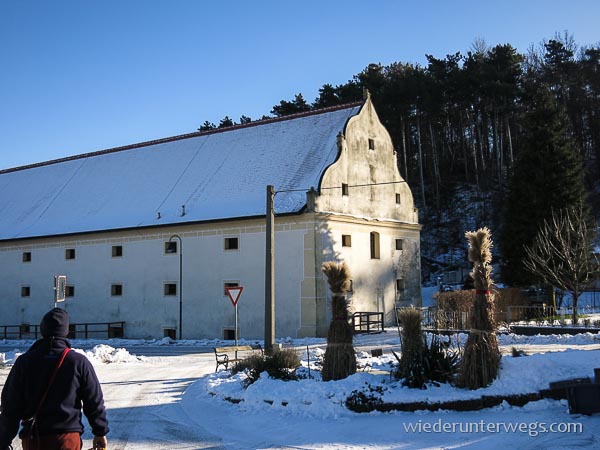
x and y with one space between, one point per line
215 175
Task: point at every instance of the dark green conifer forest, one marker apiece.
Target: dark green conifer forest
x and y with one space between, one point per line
495 134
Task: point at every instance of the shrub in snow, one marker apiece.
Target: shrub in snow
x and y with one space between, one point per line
363 400
517 353
281 364
441 363
422 363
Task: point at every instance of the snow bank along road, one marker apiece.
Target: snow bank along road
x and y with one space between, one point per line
142 399
147 409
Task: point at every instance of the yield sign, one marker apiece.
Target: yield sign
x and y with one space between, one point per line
234 293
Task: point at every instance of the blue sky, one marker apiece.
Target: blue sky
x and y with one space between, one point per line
79 76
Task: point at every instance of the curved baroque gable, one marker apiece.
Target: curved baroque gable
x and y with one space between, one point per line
365 180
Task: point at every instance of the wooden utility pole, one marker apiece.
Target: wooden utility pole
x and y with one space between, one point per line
270 272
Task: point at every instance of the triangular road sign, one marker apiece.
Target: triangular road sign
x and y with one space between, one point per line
234 293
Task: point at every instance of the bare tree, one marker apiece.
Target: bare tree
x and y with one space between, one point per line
562 253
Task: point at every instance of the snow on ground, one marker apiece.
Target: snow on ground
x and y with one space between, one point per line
107 354
177 402
101 353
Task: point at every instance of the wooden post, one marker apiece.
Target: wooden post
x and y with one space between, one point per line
270 272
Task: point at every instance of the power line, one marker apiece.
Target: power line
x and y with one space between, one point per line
340 186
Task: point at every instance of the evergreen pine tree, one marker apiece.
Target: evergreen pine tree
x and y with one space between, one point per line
207 126
548 175
327 97
245 120
226 122
286 108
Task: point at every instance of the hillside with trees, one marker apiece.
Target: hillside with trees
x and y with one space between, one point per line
490 138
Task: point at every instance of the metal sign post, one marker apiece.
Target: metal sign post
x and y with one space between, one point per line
60 288
234 294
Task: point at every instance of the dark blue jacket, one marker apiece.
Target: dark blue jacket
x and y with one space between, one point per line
76 387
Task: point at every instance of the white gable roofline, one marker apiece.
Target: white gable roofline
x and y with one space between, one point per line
206 176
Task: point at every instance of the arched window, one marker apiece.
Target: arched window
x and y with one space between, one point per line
374 245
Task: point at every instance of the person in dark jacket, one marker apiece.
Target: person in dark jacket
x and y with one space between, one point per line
58 425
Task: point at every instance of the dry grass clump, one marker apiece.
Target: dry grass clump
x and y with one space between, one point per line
410 366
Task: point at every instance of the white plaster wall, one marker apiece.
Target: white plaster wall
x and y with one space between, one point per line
374 280
144 268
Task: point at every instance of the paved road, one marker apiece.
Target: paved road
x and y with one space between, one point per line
143 402
139 350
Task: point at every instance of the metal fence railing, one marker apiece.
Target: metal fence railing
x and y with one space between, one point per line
543 315
445 319
88 330
538 315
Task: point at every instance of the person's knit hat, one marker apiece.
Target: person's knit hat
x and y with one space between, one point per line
55 323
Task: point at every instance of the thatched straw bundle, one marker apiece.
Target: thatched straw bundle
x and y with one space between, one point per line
410 366
481 358
340 360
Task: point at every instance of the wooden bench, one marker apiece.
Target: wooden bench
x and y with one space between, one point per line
226 355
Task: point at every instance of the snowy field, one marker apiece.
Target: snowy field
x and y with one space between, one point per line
176 401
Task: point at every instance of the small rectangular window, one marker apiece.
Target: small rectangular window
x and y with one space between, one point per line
400 285
69 291
170 333
346 240
228 334
345 189
231 243
25 291
170 247
399 244
117 251
170 289
398 199
116 290
371 144
70 253
227 284
26 256
351 286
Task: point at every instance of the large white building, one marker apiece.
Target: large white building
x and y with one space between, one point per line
105 220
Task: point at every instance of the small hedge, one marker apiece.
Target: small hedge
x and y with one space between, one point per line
462 300
282 365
